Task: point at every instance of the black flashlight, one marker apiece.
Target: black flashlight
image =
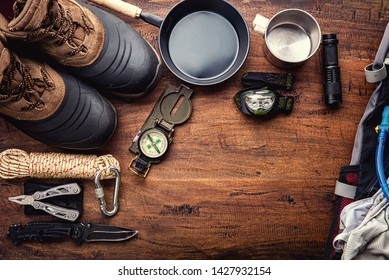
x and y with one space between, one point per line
331 71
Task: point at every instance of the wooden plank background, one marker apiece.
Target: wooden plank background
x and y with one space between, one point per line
231 187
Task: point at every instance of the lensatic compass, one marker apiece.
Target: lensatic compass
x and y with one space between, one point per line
153 140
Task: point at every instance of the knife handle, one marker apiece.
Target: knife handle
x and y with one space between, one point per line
43 232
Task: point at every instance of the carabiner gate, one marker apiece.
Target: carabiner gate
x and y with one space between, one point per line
100 192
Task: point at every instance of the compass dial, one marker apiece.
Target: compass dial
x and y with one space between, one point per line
153 143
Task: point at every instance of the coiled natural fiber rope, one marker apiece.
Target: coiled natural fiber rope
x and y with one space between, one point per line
16 163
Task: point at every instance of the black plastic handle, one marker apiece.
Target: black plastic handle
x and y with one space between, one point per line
152 19
40 232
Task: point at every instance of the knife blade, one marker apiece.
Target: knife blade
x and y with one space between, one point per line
78 232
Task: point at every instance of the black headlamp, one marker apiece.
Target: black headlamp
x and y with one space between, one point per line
263 102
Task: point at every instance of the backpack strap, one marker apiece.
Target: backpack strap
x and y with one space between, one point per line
375 76
345 190
376 72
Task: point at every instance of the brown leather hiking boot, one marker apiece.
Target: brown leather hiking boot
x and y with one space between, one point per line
27 87
37 99
92 43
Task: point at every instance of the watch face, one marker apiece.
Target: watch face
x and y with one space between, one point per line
259 102
153 143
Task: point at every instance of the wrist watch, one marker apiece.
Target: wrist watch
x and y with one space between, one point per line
154 138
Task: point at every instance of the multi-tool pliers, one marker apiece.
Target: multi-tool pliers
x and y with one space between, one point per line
35 201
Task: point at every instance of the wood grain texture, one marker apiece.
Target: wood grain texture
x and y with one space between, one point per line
231 187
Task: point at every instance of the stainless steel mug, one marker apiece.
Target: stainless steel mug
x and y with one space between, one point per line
291 36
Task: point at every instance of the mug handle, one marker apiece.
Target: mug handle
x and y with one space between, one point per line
260 24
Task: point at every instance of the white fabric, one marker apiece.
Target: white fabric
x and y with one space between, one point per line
364 229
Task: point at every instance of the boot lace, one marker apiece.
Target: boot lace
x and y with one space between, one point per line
31 89
66 30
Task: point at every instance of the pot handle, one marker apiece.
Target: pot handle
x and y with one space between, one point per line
121 7
260 24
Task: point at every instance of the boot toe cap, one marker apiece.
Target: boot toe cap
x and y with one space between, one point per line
95 126
84 121
127 66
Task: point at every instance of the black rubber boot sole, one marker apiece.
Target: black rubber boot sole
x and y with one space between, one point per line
84 121
128 66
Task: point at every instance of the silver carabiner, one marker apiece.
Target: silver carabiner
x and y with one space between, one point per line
100 192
